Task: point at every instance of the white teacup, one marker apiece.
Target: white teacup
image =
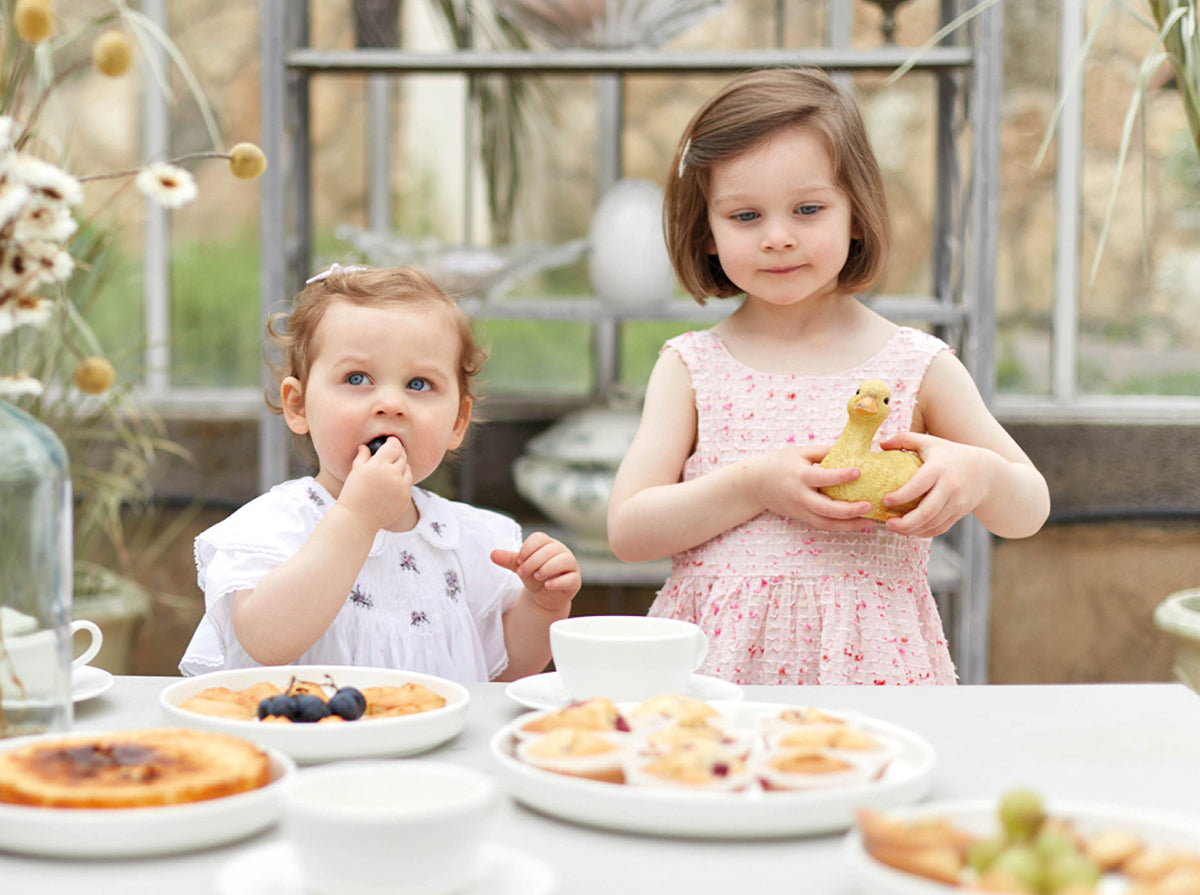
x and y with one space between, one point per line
32 658
626 657
380 827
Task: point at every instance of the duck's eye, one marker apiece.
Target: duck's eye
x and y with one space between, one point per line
858 391
885 400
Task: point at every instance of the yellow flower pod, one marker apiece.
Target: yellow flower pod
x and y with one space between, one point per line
247 161
34 20
112 54
94 375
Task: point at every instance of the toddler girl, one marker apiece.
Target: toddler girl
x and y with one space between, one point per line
358 565
775 194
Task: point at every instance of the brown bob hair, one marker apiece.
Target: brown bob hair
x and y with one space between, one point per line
741 115
294 332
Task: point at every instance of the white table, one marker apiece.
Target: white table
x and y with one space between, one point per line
1124 744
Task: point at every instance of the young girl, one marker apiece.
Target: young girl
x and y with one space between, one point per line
357 565
775 193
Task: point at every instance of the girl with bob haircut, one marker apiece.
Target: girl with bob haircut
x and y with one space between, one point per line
775 195
357 565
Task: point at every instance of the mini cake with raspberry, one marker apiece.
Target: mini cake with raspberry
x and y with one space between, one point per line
664 709
598 713
696 764
809 768
667 739
594 755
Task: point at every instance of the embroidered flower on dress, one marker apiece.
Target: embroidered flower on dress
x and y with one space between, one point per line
437 528
315 497
453 587
359 598
409 562
419 618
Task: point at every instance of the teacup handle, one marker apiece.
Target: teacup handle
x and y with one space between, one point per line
93 647
702 651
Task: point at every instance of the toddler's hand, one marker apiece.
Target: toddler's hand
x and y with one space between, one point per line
378 489
787 481
953 479
546 567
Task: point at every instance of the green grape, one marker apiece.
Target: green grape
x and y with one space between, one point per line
983 852
1021 813
1022 864
1070 869
1049 844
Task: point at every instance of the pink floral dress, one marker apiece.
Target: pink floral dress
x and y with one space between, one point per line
783 603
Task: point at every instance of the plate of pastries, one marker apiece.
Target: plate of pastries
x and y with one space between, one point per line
1019 843
318 713
136 792
682 766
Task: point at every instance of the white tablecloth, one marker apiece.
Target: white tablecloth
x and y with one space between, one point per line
1121 744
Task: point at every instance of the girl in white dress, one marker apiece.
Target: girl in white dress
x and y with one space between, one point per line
357 565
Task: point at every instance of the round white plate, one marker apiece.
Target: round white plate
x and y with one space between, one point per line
139 832
749 814
88 682
272 869
312 743
979 816
546 691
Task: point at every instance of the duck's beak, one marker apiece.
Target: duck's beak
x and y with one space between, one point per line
865 404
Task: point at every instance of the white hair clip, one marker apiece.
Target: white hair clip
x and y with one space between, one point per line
316 278
683 157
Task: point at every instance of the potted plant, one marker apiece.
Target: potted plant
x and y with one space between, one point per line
54 378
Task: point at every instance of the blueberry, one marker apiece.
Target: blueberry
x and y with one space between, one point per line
349 703
310 708
281 706
376 443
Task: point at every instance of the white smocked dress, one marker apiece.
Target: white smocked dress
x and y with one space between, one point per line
427 600
783 603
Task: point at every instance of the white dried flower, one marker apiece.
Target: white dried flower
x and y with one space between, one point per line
50 180
45 219
168 185
13 196
19 386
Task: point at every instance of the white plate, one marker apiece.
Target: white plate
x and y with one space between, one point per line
749 814
312 743
546 691
272 869
979 816
88 682
138 832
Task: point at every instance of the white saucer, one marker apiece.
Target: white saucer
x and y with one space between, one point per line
88 682
272 869
546 691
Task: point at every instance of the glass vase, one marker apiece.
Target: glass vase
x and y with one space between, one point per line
35 577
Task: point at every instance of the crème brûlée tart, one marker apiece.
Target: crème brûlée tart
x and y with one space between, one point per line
131 769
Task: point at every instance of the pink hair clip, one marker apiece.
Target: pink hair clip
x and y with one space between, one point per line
316 278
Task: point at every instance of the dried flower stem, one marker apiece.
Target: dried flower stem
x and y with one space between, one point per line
189 157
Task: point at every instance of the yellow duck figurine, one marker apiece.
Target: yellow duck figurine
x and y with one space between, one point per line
882 472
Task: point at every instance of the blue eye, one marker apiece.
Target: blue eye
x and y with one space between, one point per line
808 209
420 384
745 217
357 378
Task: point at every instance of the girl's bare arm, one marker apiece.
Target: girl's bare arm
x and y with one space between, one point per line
970 463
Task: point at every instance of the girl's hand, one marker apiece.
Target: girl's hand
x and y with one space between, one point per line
378 489
785 481
951 482
547 568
